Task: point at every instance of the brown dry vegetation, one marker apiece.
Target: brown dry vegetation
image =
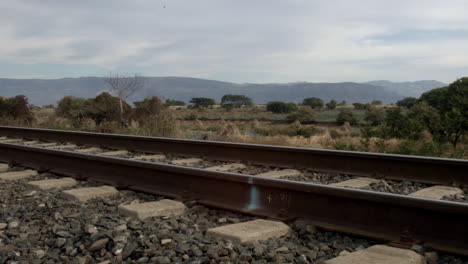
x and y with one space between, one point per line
345 137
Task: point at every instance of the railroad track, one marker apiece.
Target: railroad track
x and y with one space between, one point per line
401 219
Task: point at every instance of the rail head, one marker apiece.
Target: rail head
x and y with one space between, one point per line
441 224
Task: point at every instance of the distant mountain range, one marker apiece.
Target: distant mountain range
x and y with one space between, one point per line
42 91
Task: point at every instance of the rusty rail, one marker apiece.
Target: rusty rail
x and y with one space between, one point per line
398 167
403 219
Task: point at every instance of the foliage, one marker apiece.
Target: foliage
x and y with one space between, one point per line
174 102
346 115
105 107
16 108
314 102
72 108
202 102
148 107
331 105
398 125
281 107
376 102
288 131
374 115
407 102
360 106
452 104
303 115
230 101
342 103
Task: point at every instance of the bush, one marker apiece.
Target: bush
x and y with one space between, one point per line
281 107
313 102
170 102
359 106
105 107
148 107
331 105
346 115
374 116
407 102
202 102
376 102
72 108
230 101
16 108
302 115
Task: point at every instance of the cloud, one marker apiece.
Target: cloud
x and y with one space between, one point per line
241 41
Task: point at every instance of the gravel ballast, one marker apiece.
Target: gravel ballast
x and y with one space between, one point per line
44 227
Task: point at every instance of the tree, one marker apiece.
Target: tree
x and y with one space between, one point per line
398 125
346 115
105 107
170 102
331 105
235 100
303 115
16 108
123 86
146 108
360 106
407 102
376 102
202 102
452 104
314 102
342 103
374 116
72 108
281 107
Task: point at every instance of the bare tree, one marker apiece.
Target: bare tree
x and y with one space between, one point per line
123 86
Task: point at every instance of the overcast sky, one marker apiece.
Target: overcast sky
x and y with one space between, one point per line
237 40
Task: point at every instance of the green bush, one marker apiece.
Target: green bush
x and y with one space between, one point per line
303 115
346 115
281 107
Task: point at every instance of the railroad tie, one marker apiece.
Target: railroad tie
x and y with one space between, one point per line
66 147
357 183
46 145
437 192
115 153
380 254
88 193
32 142
11 140
89 150
187 162
153 209
155 157
52 184
228 167
280 173
250 231
17 175
4 167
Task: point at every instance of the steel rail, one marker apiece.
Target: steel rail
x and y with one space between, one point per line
403 219
398 167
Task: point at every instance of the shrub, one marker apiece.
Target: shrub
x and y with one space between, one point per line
331 105
374 116
407 102
302 115
199 102
230 101
281 107
170 102
359 106
72 108
346 115
313 102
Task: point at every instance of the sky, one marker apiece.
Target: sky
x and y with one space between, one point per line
256 41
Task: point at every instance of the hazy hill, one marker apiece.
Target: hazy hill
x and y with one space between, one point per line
43 92
414 89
